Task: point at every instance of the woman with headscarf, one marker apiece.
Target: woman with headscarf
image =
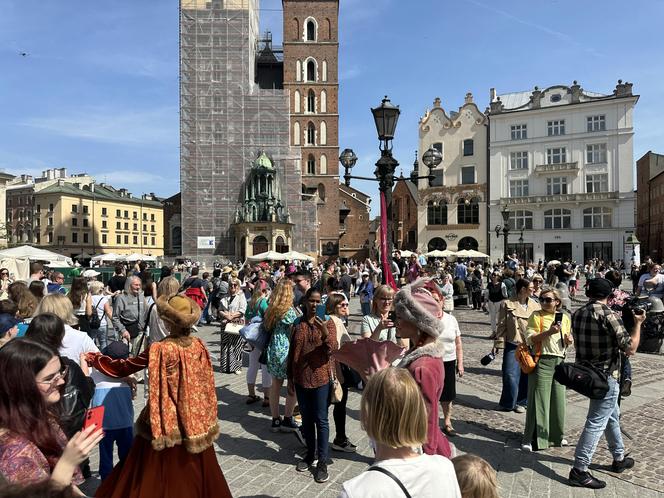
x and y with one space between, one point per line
232 309
172 453
418 317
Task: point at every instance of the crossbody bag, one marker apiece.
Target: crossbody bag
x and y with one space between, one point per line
391 476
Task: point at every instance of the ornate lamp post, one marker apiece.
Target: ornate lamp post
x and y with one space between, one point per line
505 229
386 116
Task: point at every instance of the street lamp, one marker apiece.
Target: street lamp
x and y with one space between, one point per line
386 116
521 247
432 158
505 229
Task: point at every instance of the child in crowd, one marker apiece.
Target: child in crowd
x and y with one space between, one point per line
116 396
477 479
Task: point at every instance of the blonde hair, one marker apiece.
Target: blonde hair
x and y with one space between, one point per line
60 306
280 302
556 294
96 287
381 291
477 479
168 287
392 410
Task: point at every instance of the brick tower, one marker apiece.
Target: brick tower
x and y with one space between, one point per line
311 54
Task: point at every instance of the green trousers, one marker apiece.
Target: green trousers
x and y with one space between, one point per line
545 418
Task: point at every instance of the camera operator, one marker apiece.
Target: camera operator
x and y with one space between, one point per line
599 336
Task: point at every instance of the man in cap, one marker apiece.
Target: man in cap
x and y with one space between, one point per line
599 336
8 328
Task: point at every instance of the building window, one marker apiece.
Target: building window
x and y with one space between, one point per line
437 213
135 239
118 239
595 153
38 208
597 217
126 239
49 237
556 155
145 241
311 30
118 225
311 71
152 229
50 208
311 165
136 226
597 183
152 217
468 147
126 226
50 222
519 188
438 177
145 216
557 218
468 174
311 101
145 228
85 238
519 160
85 223
599 250
118 213
311 134
104 224
153 241
555 128
298 70
521 219
519 132
104 212
74 208
556 185
74 237
126 214
104 238
74 222
468 211
85 209
135 215
438 146
596 123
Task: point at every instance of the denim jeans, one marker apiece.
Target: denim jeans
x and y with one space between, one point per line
123 438
100 335
515 382
603 417
366 308
315 424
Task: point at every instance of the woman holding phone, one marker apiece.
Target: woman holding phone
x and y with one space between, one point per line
378 325
549 332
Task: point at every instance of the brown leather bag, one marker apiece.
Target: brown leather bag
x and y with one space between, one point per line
523 355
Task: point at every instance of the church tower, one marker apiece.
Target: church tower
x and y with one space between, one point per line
311 54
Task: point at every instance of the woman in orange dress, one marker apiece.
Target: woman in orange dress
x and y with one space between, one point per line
172 454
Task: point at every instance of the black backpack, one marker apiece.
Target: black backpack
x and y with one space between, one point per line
94 320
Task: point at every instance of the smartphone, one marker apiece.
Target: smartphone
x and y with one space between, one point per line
559 317
94 416
320 311
392 316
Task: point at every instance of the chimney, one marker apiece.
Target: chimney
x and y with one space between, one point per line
492 94
623 89
92 187
61 183
63 172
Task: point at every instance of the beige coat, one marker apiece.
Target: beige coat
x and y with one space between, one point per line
513 321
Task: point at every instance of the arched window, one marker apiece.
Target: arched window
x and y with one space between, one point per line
323 133
437 213
437 244
324 76
176 239
329 28
260 245
298 70
468 211
323 164
296 133
296 28
280 245
468 243
311 70
311 30
323 101
311 101
311 134
296 101
311 165
321 192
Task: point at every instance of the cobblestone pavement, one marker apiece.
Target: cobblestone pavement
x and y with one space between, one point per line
259 463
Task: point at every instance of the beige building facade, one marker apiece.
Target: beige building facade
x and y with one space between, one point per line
452 212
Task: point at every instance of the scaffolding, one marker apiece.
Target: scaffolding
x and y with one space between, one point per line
225 121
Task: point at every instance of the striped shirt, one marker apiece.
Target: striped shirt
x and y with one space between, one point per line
599 334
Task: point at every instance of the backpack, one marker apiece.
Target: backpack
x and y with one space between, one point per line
94 320
511 287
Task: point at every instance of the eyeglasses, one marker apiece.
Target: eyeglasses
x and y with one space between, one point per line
56 378
547 300
344 305
386 299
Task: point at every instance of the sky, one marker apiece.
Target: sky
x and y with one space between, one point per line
93 86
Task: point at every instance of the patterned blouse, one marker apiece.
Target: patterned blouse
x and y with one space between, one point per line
21 462
309 361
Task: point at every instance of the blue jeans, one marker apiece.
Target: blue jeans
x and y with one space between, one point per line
101 337
366 308
314 408
205 313
603 417
123 438
515 382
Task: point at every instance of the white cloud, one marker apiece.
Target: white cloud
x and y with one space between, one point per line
105 124
349 73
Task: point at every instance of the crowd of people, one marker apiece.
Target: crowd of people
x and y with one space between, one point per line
66 349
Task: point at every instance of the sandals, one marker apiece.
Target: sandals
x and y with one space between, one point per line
252 398
449 431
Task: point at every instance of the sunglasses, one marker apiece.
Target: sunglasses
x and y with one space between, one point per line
547 300
344 305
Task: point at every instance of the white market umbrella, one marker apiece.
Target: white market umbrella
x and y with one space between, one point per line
267 256
406 253
132 258
292 255
440 254
471 253
36 254
111 256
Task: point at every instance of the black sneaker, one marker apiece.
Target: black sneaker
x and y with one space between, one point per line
345 446
620 465
289 425
321 473
303 465
276 425
584 480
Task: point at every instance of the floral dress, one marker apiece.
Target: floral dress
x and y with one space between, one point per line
277 349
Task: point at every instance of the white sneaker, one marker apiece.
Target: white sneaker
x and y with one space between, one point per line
564 442
520 409
527 447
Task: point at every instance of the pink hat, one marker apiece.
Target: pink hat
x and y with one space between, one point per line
415 304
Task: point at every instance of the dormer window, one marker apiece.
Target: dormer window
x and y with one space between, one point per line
555 97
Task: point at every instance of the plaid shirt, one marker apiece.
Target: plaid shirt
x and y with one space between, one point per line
598 335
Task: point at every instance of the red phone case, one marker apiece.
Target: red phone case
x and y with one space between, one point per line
94 416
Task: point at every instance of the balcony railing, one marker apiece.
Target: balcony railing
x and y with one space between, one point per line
557 168
542 199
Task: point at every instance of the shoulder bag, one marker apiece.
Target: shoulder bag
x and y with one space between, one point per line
523 355
391 476
94 320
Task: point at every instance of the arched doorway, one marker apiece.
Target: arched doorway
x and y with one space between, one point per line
260 244
468 243
437 244
280 245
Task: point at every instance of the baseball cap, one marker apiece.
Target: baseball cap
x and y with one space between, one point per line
7 322
117 350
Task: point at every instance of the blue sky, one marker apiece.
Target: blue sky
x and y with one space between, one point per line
98 90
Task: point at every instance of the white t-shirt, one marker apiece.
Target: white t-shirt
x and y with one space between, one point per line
98 303
425 476
450 332
658 289
76 342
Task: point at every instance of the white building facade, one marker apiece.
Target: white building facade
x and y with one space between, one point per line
452 212
561 163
